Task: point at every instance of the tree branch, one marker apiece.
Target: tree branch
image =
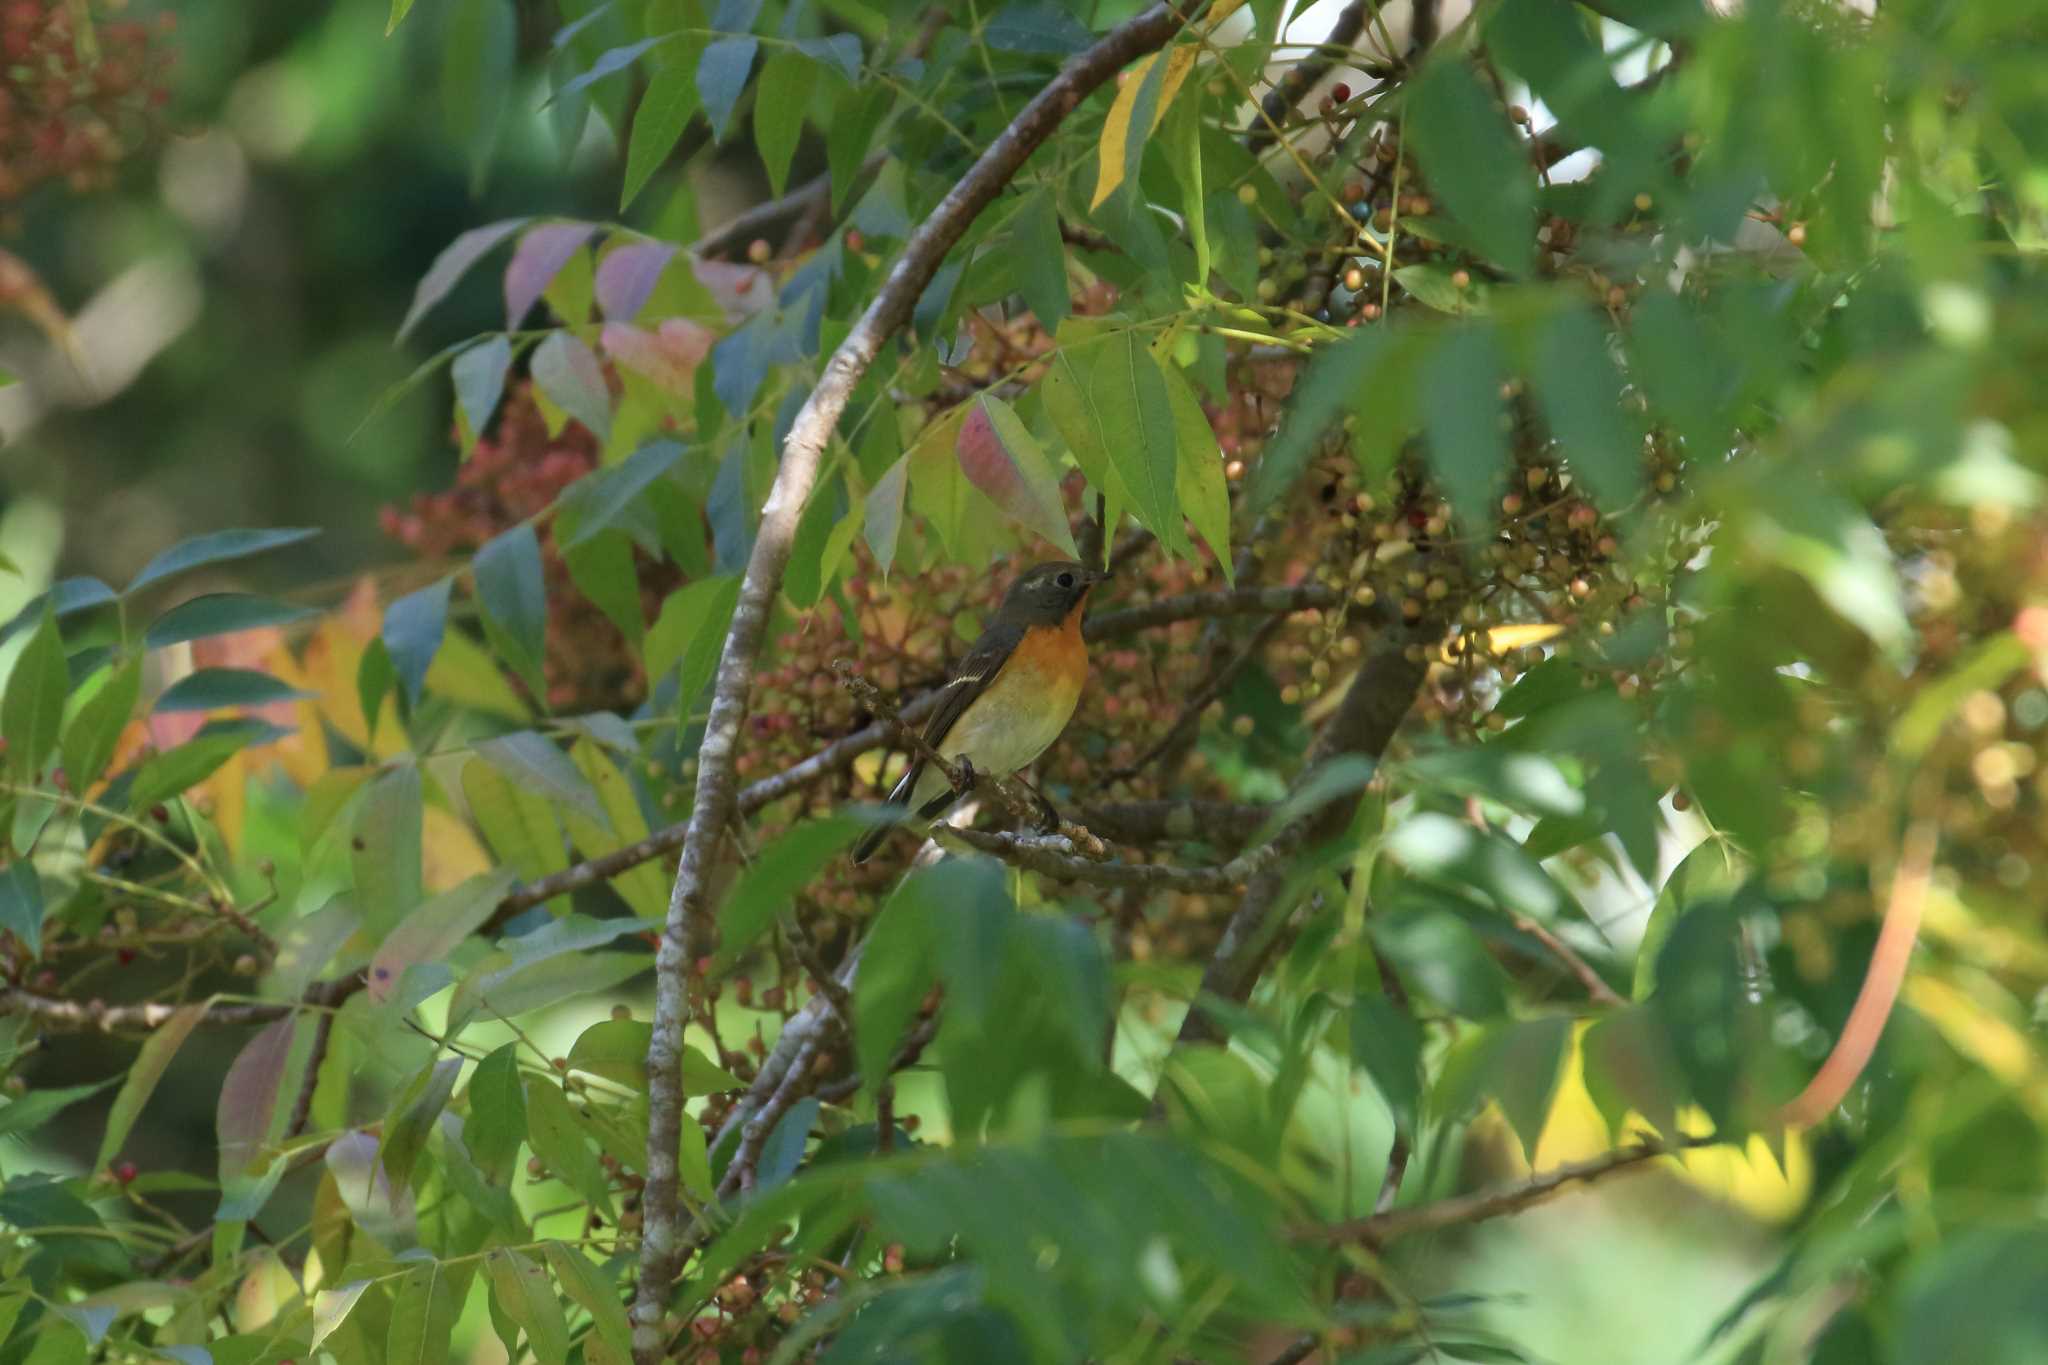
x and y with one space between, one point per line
148 1016
1364 724
1301 77
1196 605
1478 1207
691 925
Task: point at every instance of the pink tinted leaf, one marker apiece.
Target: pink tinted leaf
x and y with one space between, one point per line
627 275
452 264
541 253
249 1096
1000 457
669 355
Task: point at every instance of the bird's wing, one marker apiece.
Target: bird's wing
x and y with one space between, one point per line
971 676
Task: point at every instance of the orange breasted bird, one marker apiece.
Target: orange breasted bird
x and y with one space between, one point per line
1011 695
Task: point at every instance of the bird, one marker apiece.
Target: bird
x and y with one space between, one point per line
1010 696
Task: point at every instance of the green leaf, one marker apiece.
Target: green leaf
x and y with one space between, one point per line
141 1081
884 520
1001 458
1468 453
220 547
21 903
721 76
1528 782
221 613
1439 956
208 689
431 932
376 676
1474 163
782 96
523 1293
512 593
413 1115
331 1307
32 709
690 633
1204 494
178 770
664 112
1447 849
783 1151
424 1306
767 888
1531 1063
455 259
1041 258
538 766
603 571
497 1114
1976 1297
702 1076
1579 387
1368 373
900 959
1434 286
1629 1067
569 374
601 498
479 377
804 580
413 629
615 1049
1110 403
386 850
561 1139
399 9
597 1295
517 823
38 1107
1387 1042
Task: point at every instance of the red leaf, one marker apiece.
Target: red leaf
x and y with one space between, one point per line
540 254
1000 457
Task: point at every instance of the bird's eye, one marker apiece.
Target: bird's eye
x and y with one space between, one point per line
1066 580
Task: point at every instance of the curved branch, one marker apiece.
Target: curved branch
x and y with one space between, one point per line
1382 1228
690 927
148 1016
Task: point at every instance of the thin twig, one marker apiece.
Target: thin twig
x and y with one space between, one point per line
1478 1207
1302 77
148 1016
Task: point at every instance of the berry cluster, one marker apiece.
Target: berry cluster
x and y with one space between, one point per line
79 97
514 473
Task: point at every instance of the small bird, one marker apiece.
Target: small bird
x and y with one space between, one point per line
1010 695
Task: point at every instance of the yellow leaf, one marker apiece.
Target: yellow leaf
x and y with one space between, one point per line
2000 1046
228 789
449 853
1116 129
645 887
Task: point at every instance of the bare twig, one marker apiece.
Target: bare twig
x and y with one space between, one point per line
1052 856
690 927
1155 822
147 1016
1191 712
1478 1207
302 1108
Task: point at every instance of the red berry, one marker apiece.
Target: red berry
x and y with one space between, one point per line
1341 93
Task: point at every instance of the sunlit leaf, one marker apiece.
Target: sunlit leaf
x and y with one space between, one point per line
561 1139
32 709
665 109
1142 99
524 1293
782 95
615 1049
141 1082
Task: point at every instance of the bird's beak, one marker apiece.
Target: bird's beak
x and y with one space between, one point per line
1095 576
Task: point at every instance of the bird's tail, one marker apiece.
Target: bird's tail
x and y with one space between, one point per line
899 796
